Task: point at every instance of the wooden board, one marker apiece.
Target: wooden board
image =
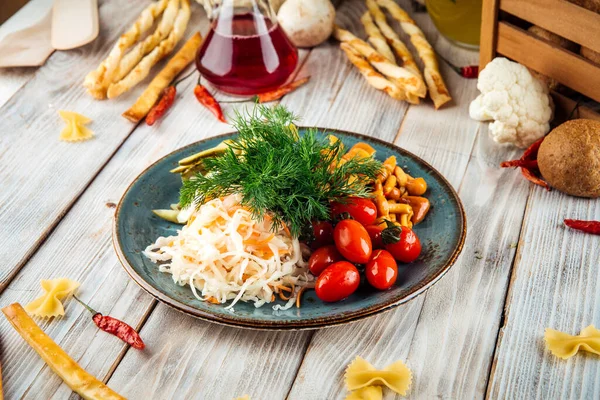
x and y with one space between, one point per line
35 161
549 59
559 16
448 336
332 78
554 284
443 335
489 28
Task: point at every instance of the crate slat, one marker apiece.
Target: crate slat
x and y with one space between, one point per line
565 108
567 68
487 38
561 17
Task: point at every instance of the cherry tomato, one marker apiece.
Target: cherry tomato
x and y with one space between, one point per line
374 232
402 242
323 233
361 210
337 282
382 270
322 258
353 241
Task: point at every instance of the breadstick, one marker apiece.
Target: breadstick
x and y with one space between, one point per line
144 47
376 38
400 76
394 40
373 77
97 81
78 379
165 47
176 64
437 88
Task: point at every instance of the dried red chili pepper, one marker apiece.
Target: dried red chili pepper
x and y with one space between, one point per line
528 164
115 327
160 108
532 151
592 227
531 177
519 163
469 71
281 91
208 101
165 102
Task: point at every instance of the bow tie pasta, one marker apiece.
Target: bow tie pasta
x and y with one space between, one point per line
360 373
49 305
565 346
366 393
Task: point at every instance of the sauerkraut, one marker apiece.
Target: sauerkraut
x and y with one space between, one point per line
224 254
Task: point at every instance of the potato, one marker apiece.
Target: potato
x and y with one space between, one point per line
569 158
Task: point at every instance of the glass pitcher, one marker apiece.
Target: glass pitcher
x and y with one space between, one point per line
245 52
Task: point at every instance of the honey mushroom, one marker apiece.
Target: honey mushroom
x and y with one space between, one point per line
398 196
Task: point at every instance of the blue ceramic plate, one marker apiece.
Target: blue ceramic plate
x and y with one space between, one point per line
442 235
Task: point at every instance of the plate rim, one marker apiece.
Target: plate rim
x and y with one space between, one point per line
323 322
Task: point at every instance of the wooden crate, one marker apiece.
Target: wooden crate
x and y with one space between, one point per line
500 37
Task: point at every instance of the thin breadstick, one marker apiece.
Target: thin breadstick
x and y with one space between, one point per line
394 40
78 379
176 64
376 38
399 75
98 80
437 88
144 47
373 77
142 70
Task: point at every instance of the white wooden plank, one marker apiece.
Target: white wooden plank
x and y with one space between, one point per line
12 79
81 248
447 336
554 285
330 100
42 176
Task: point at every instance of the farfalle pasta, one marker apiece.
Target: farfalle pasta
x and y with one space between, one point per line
366 393
565 346
49 305
360 373
75 129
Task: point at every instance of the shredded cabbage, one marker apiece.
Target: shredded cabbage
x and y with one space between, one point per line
226 255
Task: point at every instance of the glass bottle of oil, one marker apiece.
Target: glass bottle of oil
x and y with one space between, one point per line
458 20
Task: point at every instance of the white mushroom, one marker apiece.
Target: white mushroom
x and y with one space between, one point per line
307 23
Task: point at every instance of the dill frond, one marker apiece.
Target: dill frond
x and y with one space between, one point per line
278 172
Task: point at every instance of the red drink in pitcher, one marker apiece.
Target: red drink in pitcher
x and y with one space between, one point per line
246 53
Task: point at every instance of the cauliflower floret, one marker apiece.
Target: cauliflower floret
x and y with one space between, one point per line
517 102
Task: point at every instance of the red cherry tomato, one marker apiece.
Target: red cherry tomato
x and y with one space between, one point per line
361 210
337 282
322 258
402 242
353 241
374 232
323 233
382 270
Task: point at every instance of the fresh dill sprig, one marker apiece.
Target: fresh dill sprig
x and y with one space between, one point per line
279 172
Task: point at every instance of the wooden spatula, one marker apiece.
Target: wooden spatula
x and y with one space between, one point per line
74 23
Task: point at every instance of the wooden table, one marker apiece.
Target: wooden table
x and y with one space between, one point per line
477 333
